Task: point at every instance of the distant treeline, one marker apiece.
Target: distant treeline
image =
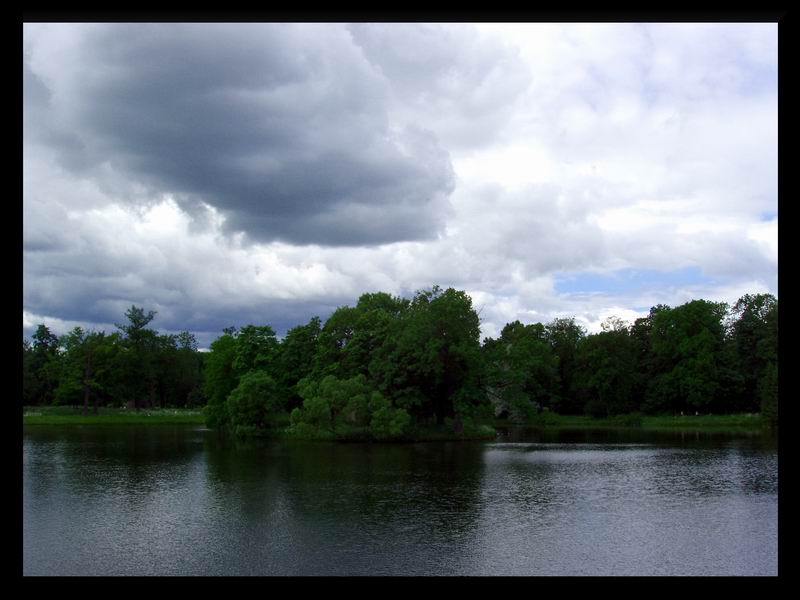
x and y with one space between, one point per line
391 363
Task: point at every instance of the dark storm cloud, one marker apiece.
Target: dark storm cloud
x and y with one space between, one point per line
282 128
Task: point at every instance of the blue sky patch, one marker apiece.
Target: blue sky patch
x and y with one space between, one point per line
628 280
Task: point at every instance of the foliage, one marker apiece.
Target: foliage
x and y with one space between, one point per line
390 368
296 358
605 362
254 402
686 343
565 336
256 349
431 362
86 367
41 365
332 399
387 422
522 371
219 379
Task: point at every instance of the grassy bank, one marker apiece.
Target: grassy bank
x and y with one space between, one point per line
734 422
69 415
707 422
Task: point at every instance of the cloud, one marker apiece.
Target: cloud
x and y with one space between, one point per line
226 174
464 86
282 128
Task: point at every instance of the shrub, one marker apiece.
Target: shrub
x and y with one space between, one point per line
296 416
254 401
629 420
387 422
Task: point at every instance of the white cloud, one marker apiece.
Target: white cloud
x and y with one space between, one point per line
574 148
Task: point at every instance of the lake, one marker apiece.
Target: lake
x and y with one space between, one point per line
178 500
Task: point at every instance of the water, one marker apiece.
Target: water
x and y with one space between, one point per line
130 500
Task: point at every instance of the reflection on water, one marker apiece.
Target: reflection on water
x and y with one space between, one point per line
180 500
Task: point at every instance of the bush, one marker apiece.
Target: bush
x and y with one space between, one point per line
216 415
296 416
387 422
629 420
254 401
545 418
303 431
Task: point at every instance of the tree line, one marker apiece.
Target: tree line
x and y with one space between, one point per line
135 367
390 363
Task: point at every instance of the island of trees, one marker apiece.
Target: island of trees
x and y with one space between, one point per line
390 365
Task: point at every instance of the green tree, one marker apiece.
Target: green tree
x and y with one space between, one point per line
522 371
219 379
88 358
564 336
387 422
255 402
431 362
332 344
138 359
605 366
43 365
686 344
296 358
188 375
331 400
29 382
375 317
256 349
754 333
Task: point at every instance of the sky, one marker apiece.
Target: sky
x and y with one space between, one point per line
232 174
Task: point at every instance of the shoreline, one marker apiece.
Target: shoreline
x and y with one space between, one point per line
733 423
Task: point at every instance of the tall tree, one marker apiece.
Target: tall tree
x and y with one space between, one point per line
139 357
755 337
219 378
332 343
522 370
432 363
256 349
686 344
188 379
296 358
605 369
88 356
565 335
44 365
29 382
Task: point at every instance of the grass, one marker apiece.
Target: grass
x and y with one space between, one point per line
71 415
734 422
706 422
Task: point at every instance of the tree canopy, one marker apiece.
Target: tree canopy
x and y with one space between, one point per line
390 363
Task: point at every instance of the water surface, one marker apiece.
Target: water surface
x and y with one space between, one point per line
143 500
